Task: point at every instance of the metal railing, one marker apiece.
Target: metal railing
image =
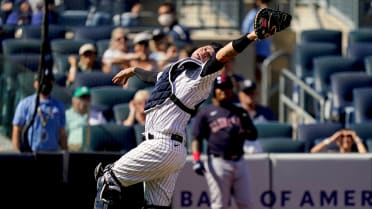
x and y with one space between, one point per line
267 89
298 107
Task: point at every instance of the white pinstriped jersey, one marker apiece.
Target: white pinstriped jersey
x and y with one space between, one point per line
158 162
191 89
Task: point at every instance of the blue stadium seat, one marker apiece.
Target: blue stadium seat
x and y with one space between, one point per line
20 46
360 35
121 112
359 51
305 54
135 83
274 129
325 66
110 137
342 85
309 133
368 64
94 33
93 79
73 18
362 100
282 145
34 32
322 36
102 45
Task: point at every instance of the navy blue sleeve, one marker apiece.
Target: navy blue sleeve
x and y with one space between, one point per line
212 66
199 130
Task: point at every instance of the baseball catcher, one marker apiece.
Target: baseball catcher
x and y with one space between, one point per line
178 90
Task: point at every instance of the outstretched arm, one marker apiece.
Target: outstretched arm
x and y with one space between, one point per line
122 77
227 53
233 48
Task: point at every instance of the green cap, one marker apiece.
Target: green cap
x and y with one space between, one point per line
81 91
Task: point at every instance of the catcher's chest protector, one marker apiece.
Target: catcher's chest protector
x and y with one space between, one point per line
163 87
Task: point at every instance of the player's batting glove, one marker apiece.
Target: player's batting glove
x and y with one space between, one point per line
269 21
198 167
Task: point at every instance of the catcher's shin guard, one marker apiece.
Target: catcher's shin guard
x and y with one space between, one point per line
108 189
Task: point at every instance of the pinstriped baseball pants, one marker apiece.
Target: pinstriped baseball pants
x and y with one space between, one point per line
157 163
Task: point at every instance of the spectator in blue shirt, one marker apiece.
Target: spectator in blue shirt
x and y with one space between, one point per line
248 101
263 47
47 132
21 15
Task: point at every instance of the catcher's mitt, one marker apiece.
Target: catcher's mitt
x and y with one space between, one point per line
269 21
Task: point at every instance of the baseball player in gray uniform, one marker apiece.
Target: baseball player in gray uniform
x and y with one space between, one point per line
178 90
225 126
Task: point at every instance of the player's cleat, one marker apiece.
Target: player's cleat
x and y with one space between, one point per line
269 21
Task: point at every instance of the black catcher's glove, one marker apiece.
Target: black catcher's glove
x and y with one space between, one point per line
269 21
198 167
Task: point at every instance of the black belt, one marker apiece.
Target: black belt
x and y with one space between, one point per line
174 137
229 157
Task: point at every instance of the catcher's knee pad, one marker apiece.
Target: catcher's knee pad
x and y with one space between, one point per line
156 207
108 190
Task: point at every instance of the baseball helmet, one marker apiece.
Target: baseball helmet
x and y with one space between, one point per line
223 82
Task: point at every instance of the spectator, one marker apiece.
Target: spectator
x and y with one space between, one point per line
22 15
263 47
142 49
129 19
226 127
344 139
47 132
79 115
37 16
136 109
178 34
163 52
117 56
248 100
87 62
7 6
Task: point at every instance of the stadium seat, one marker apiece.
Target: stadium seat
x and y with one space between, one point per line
359 51
368 143
102 45
121 112
62 94
110 137
360 35
325 66
73 18
94 33
306 52
368 64
282 145
67 46
105 97
34 32
20 46
362 100
342 85
309 133
93 79
273 129
322 36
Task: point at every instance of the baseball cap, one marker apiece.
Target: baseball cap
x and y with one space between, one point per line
248 86
87 47
81 91
142 37
223 82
